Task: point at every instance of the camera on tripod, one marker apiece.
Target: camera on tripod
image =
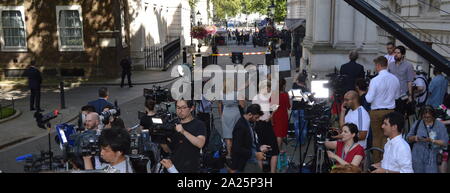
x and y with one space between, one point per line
336 83
43 120
158 94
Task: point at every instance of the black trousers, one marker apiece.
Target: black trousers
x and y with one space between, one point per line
128 74
35 98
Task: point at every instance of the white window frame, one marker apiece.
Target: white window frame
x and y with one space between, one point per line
69 48
2 40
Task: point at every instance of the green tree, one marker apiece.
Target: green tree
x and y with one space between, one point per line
192 3
280 10
223 8
234 7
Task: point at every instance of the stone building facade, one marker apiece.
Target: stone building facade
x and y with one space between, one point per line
333 28
72 38
428 20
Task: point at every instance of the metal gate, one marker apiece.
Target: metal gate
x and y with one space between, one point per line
161 57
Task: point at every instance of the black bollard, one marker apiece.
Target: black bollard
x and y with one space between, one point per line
61 93
184 56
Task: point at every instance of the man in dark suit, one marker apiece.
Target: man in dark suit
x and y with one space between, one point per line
126 71
245 149
34 83
352 71
100 103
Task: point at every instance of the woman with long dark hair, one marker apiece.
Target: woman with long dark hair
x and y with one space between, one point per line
348 151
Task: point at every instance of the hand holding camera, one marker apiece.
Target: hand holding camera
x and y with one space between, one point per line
265 148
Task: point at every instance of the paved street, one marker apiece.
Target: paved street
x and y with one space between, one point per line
31 139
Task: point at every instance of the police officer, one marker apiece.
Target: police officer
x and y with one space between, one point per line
126 71
34 83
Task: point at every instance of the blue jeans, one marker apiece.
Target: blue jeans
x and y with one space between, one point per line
300 125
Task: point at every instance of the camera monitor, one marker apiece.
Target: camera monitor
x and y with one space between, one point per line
157 121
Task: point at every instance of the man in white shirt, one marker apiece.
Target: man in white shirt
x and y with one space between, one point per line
397 153
384 89
390 56
356 115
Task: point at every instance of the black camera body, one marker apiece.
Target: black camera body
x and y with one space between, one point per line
164 123
336 84
141 143
43 120
106 115
85 144
158 94
319 120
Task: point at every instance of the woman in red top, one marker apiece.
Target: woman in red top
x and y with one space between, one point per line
348 151
280 118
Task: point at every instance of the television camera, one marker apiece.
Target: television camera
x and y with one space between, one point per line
318 116
105 116
43 121
158 94
164 123
336 84
75 145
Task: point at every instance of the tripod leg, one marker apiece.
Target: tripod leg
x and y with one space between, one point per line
302 160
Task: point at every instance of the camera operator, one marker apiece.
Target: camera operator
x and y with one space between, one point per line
246 150
100 103
147 123
92 122
351 71
82 116
383 91
348 151
115 144
188 142
357 115
428 136
113 120
397 153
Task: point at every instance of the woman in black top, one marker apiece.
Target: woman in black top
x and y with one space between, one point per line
147 123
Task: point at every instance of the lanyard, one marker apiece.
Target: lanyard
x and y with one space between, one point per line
344 155
428 132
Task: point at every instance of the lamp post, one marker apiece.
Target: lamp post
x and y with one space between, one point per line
198 17
192 25
272 12
198 24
